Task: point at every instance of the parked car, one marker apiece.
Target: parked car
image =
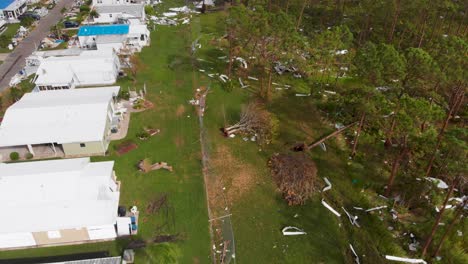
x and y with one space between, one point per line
71 24
31 15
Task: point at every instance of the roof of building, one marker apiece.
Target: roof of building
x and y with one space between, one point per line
135 10
117 29
89 68
138 29
6 3
103 39
60 194
57 116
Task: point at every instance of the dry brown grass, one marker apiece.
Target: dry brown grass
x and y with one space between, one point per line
180 111
231 173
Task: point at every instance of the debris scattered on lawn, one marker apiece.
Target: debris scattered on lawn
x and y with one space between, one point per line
323 146
292 231
125 147
242 61
352 219
223 77
407 260
330 208
329 92
301 95
170 14
341 52
359 208
252 78
376 208
329 185
146 166
163 21
183 9
356 257
440 183
243 86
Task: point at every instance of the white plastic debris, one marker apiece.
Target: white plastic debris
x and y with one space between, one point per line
341 52
252 78
223 77
329 185
330 208
242 61
302 95
356 257
329 92
352 218
323 146
183 9
243 86
376 208
407 260
232 136
440 183
170 14
292 231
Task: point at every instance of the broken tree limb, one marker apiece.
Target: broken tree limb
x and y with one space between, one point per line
303 146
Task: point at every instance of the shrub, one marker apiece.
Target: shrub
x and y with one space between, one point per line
29 155
14 156
85 8
4 41
125 95
27 21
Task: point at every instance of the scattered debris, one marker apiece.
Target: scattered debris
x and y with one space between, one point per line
242 61
252 78
170 14
323 146
302 95
407 260
356 257
352 219
376 208
224 78
146 166
440 183
330 208
243 86
329 185
294 231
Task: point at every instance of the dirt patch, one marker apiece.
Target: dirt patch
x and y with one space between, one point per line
231 177
179 83
179 141
125 147
180 110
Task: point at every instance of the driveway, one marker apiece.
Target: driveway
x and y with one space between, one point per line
15 61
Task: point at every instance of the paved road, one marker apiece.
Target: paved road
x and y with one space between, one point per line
15 61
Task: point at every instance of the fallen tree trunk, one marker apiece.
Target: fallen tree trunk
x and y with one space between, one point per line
303 146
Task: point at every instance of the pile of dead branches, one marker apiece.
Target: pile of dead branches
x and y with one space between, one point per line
295 175
255 120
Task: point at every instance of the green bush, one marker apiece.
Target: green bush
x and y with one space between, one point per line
4 41
27 21
84 8
14 156
125 95
29 155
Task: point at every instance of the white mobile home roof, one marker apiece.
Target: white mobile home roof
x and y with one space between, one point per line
53 195
57 116
88 68
135 10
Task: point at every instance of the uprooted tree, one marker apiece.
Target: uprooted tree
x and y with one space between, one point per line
255 120
295 175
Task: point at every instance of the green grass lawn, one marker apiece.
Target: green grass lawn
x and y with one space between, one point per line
9 32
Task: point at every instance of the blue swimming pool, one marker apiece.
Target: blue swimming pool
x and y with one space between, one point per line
103 30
